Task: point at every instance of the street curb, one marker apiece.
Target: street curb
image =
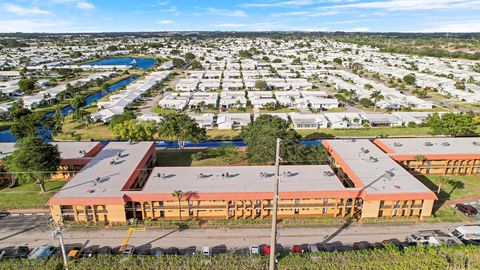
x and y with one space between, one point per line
22 214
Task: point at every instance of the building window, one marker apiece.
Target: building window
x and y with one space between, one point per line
325 201
324 211
296 211
382 204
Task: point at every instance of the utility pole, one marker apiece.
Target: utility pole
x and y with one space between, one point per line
58 232
273 236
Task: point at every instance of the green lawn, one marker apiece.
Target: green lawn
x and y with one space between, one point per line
157 110
28 195
184 158
73 130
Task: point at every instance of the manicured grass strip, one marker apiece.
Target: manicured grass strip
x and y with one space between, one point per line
28 195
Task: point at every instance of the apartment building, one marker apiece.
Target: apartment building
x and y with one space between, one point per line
440 156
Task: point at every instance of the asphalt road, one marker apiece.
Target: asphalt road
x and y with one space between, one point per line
35 231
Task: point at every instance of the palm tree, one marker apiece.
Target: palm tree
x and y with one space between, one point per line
376 96
419 161
179 195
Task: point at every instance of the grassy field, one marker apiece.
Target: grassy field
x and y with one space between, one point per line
28 195
452 188
157 110
444 257
74 130
184 158
322 133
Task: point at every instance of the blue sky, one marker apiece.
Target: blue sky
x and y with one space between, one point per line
250 15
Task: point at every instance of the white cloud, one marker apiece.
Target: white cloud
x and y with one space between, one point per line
266 26
411 5
280 4
84 5
454 26
80 4
360 29
226 12
34 26
171 11
305 13
165 22
21 11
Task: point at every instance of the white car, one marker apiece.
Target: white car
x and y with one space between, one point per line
254 249
128 250
206 251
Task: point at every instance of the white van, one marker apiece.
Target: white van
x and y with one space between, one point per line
467 233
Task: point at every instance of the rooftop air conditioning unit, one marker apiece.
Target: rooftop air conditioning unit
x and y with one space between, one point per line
397 144
428 144
477 143
445 144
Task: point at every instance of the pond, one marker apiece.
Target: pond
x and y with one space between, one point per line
143 63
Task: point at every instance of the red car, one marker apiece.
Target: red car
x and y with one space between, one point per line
266 250
297 249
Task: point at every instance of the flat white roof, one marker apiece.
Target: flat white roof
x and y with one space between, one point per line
433 146
294 178
376 170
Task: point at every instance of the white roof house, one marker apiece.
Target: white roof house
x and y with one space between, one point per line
287 98
149 117
232 84
277 83
177 101
308 121
206 120
382 119
208 99
213 74
209 84
344 120
230 99
233 120
187 85
299 84
259 99
415 117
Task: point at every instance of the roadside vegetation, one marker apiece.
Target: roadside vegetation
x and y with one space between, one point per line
445 257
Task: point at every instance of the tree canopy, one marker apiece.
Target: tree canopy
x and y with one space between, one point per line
27 85
261 85
33 160
261 134
452 124
131 130
182 128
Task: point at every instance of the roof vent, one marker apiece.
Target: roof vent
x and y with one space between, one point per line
83 152
446 144
397 187
397 144
428 144
90 190
372 159
161 175
389 173
328 173
263 174
477 143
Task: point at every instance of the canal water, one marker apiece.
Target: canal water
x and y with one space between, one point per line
143 63
6 135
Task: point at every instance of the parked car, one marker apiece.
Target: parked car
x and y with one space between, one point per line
21 252
255 250
313 248
206 251
466 209
104 251
89 252
363 245
129 249
3 253
74 253
142 251
172 251
297 249
266 250
42 252
394 242
157 252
